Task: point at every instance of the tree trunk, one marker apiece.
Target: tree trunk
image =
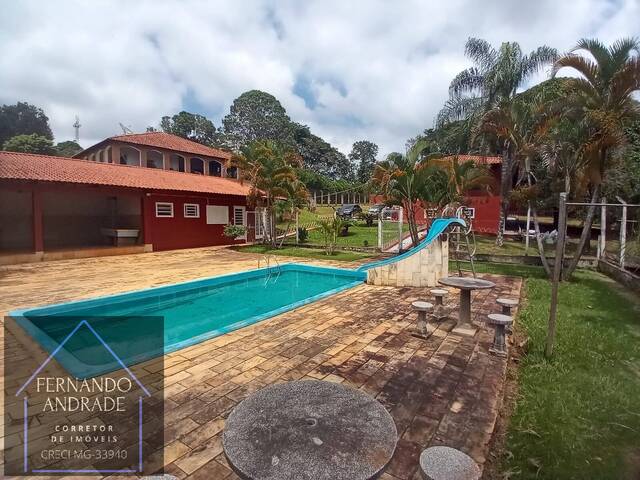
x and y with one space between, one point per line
543 256
413 230
536 226
585 235
505 188
272 227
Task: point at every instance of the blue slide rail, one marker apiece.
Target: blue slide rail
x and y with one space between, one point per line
438 227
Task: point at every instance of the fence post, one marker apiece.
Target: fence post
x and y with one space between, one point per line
526 241
400 230
623 233
557 269
297 228
603 228
380 231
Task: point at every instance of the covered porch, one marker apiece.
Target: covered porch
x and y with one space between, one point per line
54 222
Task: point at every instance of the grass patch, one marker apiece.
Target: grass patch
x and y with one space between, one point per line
577 415
304 252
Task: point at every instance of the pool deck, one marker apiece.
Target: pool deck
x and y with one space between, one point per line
445 390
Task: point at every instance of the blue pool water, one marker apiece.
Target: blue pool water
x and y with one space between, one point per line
192 312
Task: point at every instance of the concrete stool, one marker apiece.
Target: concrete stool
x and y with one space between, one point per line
500 322
439 293
422 308
446 463
507 304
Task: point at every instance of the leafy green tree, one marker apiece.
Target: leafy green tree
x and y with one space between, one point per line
363 154
257 116
23 119
33 143
67 149
320 156
191 126
402 180
331 229
271 170
602 98
493 81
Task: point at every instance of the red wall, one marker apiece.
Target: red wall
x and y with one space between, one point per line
179 232
487 211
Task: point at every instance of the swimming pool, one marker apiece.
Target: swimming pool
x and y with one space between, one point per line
193 312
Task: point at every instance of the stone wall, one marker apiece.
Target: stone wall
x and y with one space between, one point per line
420 270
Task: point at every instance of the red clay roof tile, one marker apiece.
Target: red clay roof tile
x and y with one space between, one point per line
169 142
45 168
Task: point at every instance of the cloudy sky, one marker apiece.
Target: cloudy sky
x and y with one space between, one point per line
351 70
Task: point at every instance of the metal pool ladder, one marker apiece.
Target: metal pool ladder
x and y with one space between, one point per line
267 261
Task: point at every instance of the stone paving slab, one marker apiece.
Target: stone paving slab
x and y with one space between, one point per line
443 390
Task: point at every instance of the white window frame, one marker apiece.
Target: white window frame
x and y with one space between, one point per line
244 220
217 214
259 223
164 204
470 212
194 205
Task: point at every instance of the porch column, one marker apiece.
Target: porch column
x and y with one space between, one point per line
166 161
38 232
143 157
146 212
205 167
187 164
115 154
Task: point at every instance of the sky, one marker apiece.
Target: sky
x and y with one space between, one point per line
351 70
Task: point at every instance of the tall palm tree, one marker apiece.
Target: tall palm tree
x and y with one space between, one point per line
271 171
520 125
401 178
602 96
492 81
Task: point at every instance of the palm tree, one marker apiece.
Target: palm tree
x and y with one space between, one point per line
271 171
462 178
520 125
493 80
402 178
602 96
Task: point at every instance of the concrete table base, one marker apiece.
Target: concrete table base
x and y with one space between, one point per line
465 285
309 429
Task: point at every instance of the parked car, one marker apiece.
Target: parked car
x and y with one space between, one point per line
349 210
376 209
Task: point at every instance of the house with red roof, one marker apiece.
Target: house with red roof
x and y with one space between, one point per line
126 194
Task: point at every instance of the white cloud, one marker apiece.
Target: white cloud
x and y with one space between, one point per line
378 70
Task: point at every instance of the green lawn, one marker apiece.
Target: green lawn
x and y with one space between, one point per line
304 252
577 416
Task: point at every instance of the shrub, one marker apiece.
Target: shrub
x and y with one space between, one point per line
302 234
234 231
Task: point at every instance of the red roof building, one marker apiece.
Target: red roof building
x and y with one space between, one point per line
53 204
160 150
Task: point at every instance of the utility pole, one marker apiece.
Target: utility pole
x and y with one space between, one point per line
557 271
76 127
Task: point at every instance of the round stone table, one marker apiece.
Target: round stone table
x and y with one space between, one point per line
309 430
465 285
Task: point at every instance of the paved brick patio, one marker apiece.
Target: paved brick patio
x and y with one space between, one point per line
445 390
